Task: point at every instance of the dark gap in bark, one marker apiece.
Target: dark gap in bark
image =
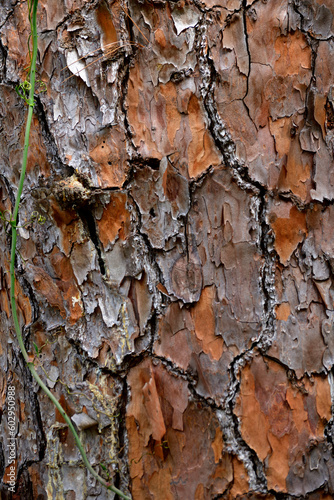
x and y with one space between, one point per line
153 163
285 496
3 59
329 433
153 323
244 18
329 429
117 481
89 222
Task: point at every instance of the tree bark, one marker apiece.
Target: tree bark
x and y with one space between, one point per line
179 297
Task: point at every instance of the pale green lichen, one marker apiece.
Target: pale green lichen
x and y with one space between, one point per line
125 339
107 405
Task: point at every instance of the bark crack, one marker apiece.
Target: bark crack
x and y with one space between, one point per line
226 146
89 222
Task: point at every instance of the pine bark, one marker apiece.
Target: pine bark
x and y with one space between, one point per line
179 297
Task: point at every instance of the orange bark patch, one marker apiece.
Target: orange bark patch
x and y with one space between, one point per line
293 53
174 336
4 303
320 112
115 220
139 115
323 398
173 117
69 227
240 479
143 383
36 480
290 419
202 152
217 445
17 39
289 232
160 38
280 129
22 410
104 20
159 403
37 152
28 249
278 464
110 157
295 401
166 118
45 285
153 409
67 407
204 322
199 493
254 424
67 284
161 481
283 311
295 173
23 303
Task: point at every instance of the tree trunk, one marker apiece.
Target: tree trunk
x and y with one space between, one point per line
178 299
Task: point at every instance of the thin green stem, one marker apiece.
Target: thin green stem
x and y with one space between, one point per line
13 223
21 182
75 434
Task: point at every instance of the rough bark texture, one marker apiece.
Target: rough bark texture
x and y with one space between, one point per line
180 291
